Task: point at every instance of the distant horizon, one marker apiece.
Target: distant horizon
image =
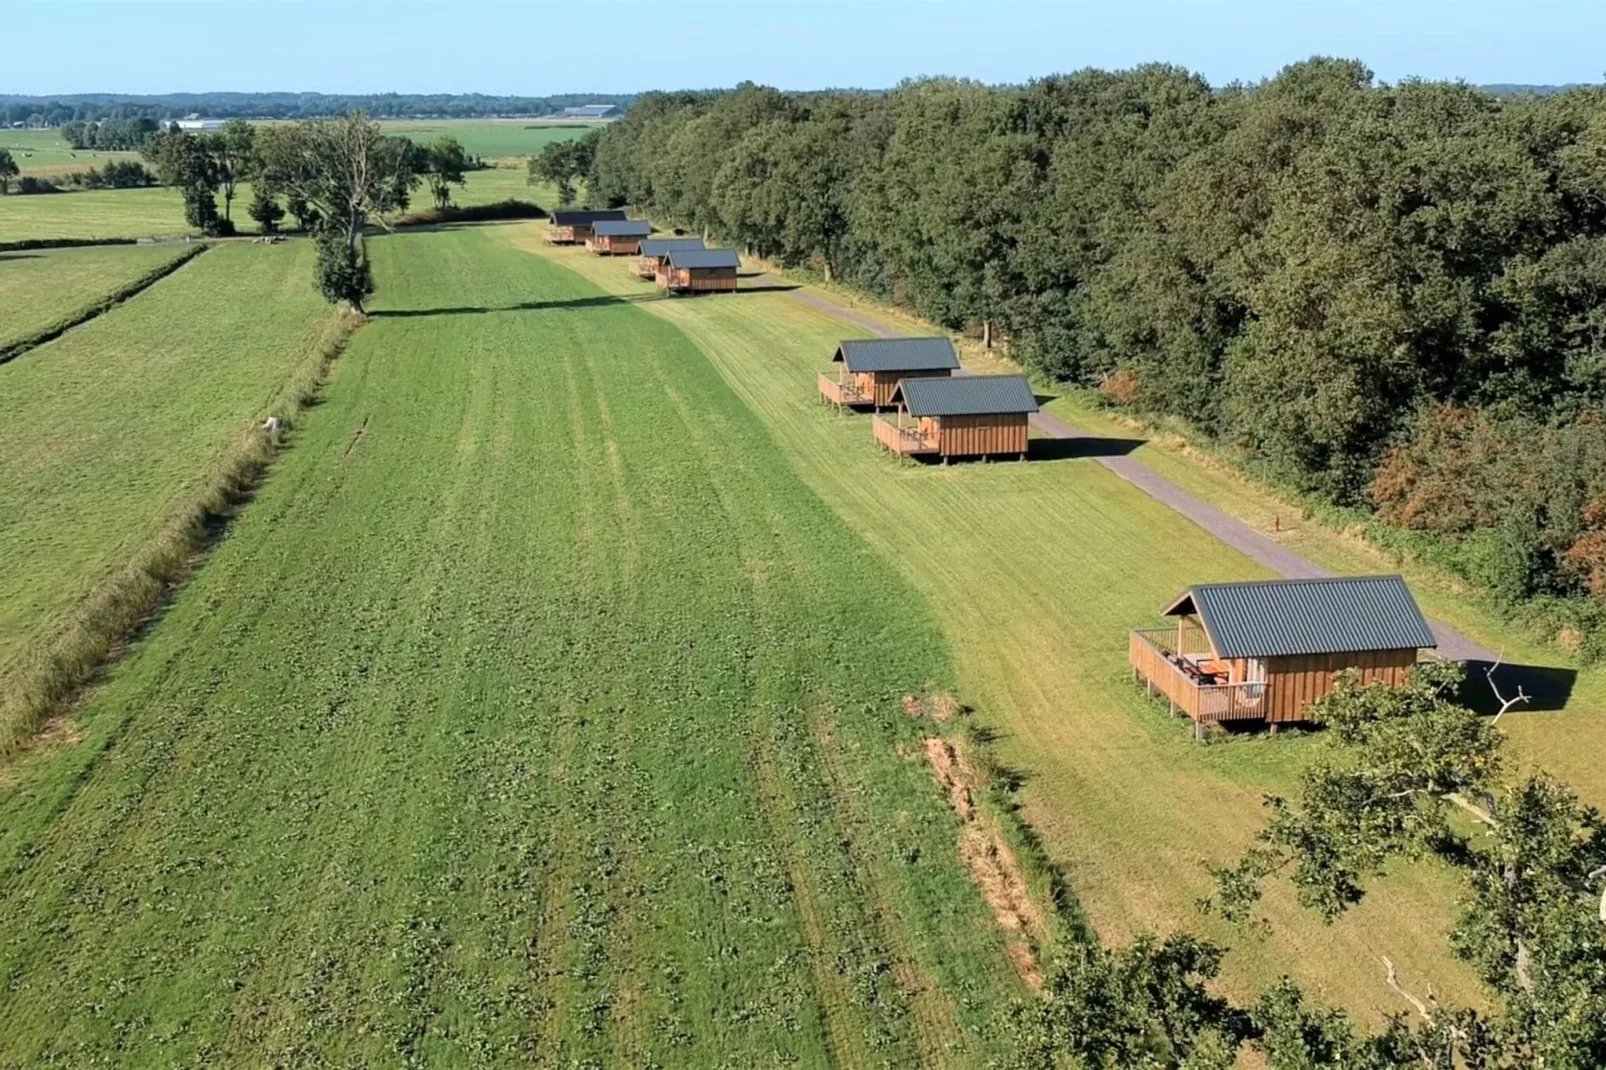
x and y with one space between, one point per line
601 95
498 49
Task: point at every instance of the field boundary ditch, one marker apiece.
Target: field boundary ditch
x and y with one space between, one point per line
100 307
51 676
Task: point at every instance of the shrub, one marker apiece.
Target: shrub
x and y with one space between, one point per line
1120 387
479 213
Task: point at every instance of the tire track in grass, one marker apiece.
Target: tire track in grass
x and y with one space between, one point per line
805 751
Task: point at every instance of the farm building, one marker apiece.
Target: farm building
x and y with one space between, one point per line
1265 650
870 369
655 254
617 237
700 271
572 226
590 112
962 416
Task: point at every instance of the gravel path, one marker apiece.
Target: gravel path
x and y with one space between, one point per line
1230 530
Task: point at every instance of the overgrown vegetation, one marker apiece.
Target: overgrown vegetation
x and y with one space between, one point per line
1303 268
1417 775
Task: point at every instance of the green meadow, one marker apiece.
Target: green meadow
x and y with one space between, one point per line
1035 573
110 434
536 712
43 289
490 138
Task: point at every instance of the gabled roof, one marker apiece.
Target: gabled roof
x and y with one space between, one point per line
704 258
665 246
622 228
569 217
969 395
1281 618
897 354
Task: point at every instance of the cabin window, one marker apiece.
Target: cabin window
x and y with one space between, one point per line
1254 678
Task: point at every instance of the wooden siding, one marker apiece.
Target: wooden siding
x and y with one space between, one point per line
980 436
880 385
1293 683
560 235
611 245
698 280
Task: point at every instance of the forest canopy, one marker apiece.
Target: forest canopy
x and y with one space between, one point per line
1320 272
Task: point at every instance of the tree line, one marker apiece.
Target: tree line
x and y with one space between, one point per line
1316 271
96 107
335 176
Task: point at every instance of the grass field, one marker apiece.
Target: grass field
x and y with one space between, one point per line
43 153
102 213
1563 743
109 433
1036 572
491 138
535 713
42 289
156 212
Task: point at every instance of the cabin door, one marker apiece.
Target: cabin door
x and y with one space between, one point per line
1254 678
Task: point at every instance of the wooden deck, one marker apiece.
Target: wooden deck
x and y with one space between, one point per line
842 392
902 441
1161 668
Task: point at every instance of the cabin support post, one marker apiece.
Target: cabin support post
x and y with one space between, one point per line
1198 731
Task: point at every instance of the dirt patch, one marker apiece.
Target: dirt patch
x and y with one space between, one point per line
988 857
940 707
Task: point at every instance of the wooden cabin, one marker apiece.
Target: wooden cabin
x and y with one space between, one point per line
655 254
700 271
573 226
961 416
1265 650
618 237
869 369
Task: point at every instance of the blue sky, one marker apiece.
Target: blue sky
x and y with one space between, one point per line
61 46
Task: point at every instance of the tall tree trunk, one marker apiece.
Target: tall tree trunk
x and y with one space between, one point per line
987 333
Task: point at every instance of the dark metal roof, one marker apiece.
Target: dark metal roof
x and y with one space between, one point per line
621 228
569 217
704 258
665 246
1281 618
970 395
897 354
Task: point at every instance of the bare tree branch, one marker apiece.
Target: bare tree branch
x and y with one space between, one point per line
1505 703
1393 981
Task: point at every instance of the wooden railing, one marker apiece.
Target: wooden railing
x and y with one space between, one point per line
1147 649
842 393
900 440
